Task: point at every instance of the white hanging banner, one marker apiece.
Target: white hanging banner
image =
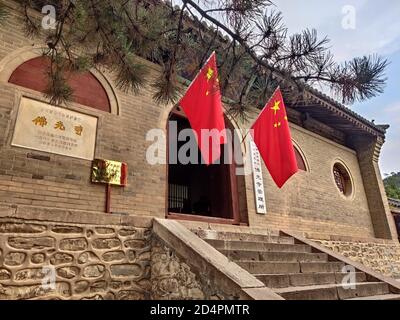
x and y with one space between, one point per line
259 193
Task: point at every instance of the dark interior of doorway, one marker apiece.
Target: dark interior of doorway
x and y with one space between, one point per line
198 189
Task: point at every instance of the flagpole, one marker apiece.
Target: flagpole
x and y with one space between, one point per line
244 138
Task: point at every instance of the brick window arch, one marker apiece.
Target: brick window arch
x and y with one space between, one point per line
300 161
342 179
87 89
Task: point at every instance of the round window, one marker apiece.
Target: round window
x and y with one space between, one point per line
342 179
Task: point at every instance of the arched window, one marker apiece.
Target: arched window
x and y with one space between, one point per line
87 90
300 161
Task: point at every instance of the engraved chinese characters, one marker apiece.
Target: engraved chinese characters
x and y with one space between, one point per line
259 193
44 127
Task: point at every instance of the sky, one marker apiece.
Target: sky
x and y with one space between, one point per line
376 30
358 28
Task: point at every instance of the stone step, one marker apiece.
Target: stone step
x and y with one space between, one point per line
246 255
318 267
233 236
305 279
256 267
258 246
261 267
389 296
230 235
334 291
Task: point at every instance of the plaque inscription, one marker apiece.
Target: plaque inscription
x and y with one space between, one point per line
44 127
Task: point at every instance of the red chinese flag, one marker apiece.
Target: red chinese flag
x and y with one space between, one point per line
272 137
203 107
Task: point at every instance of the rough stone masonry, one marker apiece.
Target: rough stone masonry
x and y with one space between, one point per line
103 260
90 261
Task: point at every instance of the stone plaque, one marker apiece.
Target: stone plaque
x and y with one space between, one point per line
44 127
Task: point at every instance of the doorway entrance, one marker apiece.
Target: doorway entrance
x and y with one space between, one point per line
199 192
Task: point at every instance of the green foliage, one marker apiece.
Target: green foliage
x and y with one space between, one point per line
166 88
131 75
392 185
81 63
253 51
58 91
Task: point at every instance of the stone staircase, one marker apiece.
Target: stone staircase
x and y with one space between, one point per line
296 271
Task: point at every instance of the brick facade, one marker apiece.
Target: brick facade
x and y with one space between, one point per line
310 202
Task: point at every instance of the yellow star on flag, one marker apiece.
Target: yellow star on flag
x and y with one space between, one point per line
210 73
276 107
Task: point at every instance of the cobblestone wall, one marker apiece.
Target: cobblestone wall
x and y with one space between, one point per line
381 257
90 262
173 279
93 261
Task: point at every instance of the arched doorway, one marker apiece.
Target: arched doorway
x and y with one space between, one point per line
199 192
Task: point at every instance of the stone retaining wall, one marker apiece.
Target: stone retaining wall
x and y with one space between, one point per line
382 257
89 261
92 256
173 279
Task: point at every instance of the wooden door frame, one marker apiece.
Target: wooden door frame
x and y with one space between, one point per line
233 188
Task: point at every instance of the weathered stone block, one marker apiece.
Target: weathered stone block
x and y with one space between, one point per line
113 256
73 244
81 286
5 274
126 270
98 286
61 258
14 259
103 244
126 232
104 230
87 257
31 243
129 295
135 244
116 285
96 297
12 227
38 258
30 274
109 296
94 271
34 291
68 272
66 229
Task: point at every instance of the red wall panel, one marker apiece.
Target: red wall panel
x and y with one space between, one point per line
87 90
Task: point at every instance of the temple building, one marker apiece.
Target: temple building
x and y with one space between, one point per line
173 230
